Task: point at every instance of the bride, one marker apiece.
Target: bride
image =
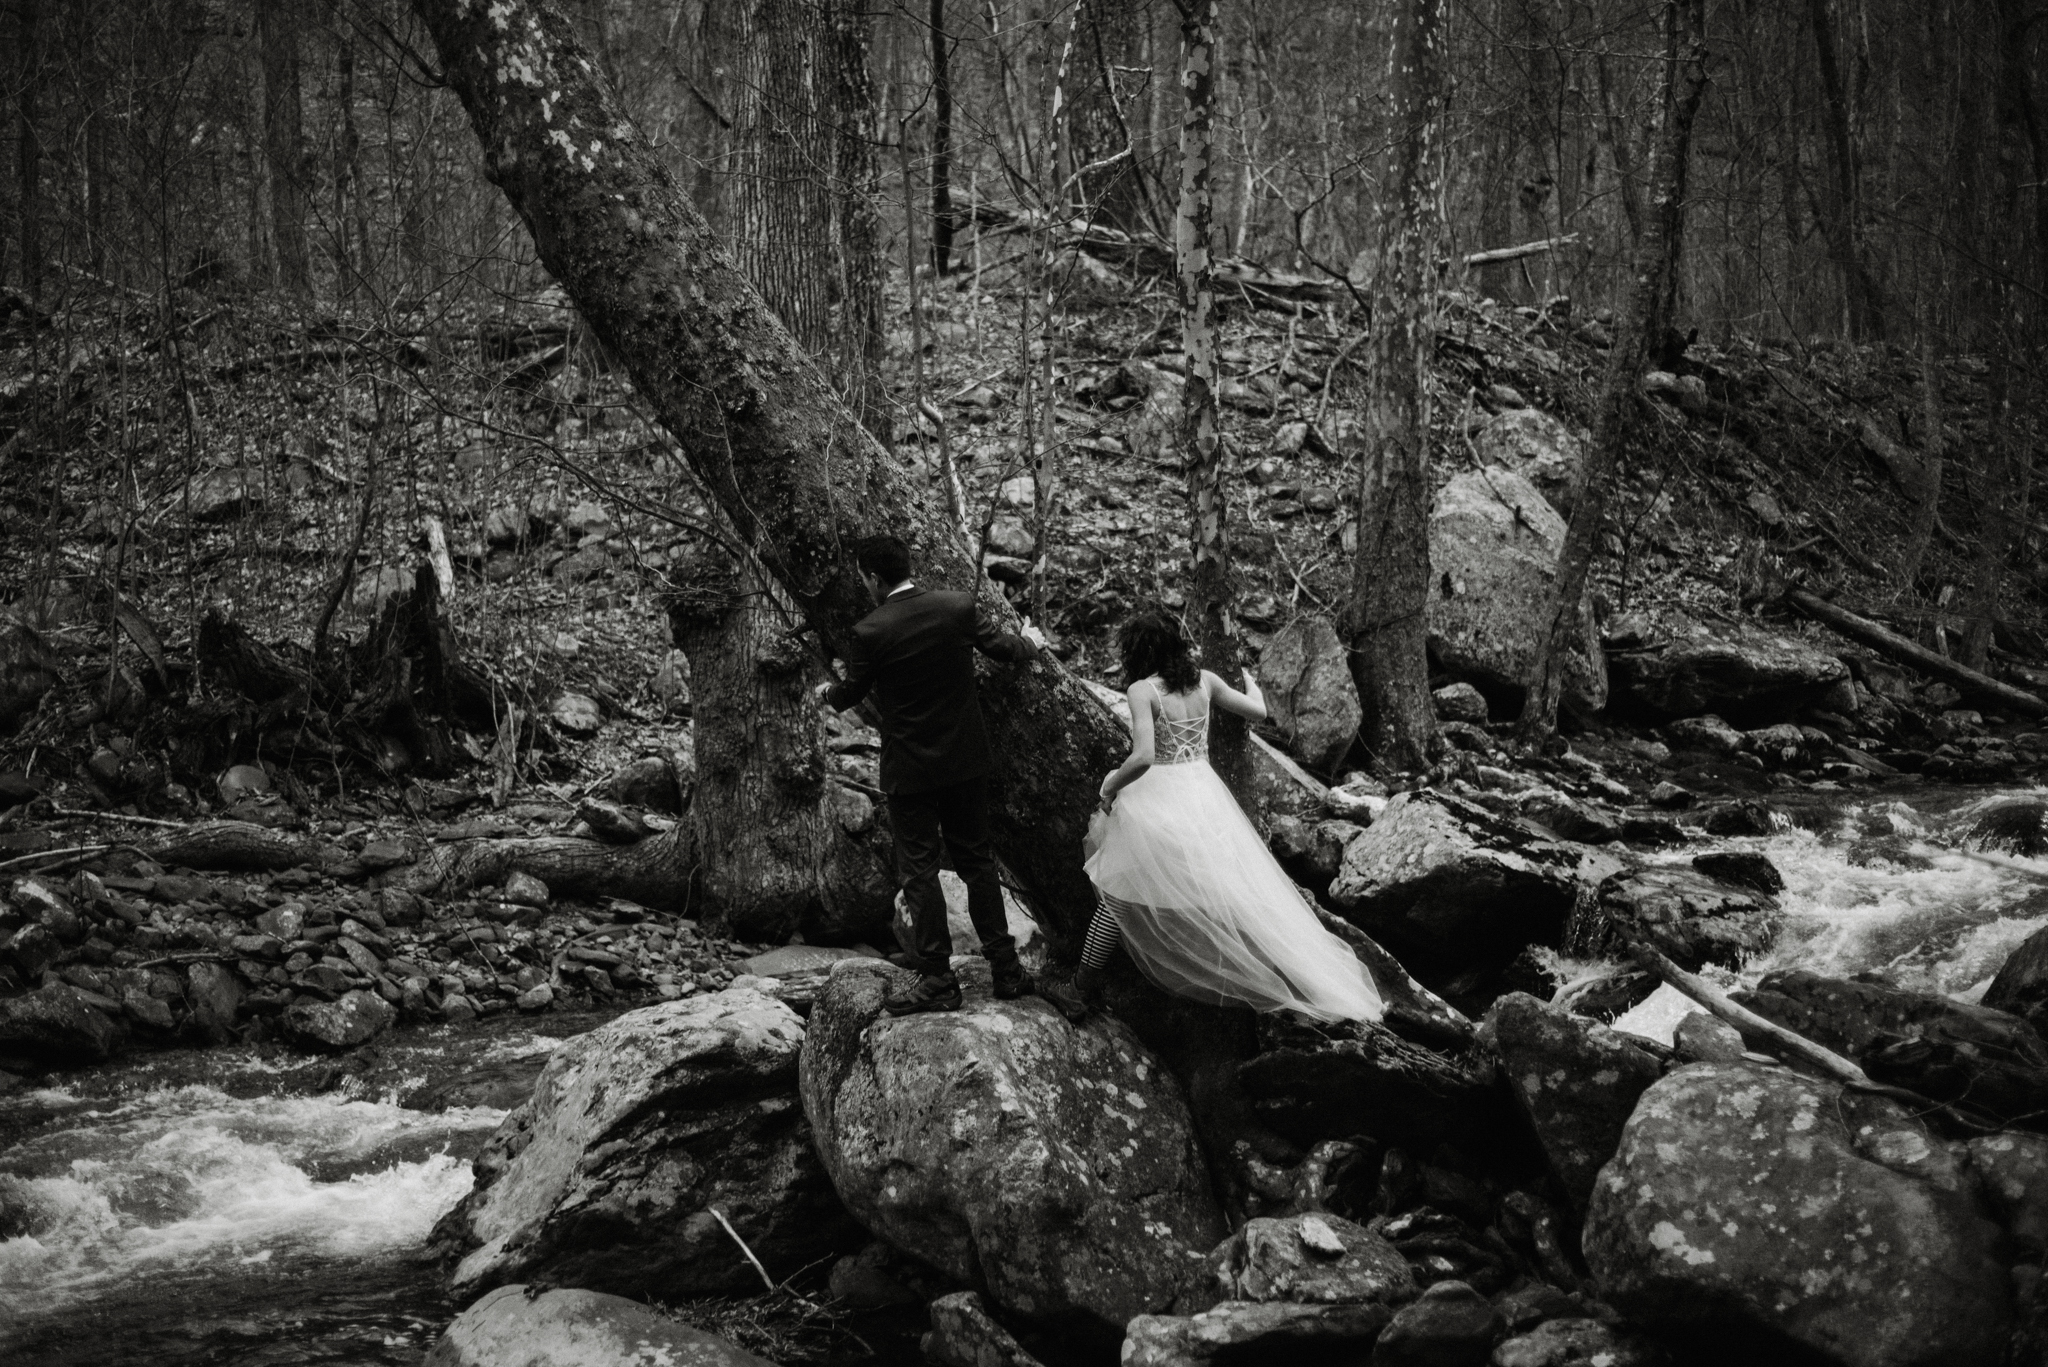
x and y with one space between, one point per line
1181 877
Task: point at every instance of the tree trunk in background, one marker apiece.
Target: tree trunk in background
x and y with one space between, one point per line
1843 228
771 855
1100 124
787 462
782 232
28 153
1200 444
851 123
1383 619
351 226
1927 498
1685 79
278 34
942 142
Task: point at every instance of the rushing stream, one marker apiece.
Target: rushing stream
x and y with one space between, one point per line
219 1207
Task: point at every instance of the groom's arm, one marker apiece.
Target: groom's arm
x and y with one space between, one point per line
996 643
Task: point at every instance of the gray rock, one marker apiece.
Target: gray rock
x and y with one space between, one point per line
2015 1171
1693 918
355 1019
1315 1259
1537 447
1451 1325
1052 1168
576 714
43 901
1701 1038
1986 1060
216 495
1493 545
1576 1080
1007 536
1255 1332
505 526
588 519
564 1328
1749 676
1305 672
1578 1342
635 1131
216 997
1459 702
964 1334
660 783
1748 1202
1446 881
2021 986
55 1026
526 890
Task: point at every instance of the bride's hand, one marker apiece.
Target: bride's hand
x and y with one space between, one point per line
1105 792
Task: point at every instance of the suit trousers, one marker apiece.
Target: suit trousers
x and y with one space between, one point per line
953 819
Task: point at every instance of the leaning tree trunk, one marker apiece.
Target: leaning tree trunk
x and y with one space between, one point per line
788 463
1686 86
773 852
1384 623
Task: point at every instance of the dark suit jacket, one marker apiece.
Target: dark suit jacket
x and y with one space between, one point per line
916 651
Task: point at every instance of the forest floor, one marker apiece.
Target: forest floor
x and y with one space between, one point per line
244 459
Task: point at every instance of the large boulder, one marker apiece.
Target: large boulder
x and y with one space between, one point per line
1749 676
1493 545
1577 1081
2021 986
1306 674
1053 1169
56 1026
353 1019
519 1326
1256 1331
1539 448
1748 1205
1984 1060
1690 916
1445 884
607 1177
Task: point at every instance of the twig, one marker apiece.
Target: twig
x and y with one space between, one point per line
198 956
122 816
766 1280
54 854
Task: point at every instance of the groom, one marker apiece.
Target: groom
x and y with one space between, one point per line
915 651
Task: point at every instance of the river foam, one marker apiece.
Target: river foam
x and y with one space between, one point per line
187 1182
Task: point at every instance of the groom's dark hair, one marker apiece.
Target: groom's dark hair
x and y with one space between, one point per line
885 557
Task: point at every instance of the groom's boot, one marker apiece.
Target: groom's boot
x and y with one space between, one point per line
1078 1000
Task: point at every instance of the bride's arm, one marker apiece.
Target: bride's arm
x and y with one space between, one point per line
1250 704
1140 695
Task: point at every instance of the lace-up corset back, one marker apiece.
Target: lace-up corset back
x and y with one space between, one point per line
1180 740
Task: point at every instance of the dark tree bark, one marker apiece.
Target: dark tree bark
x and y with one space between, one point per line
1201 445
1686 77
942 142
28 153
1383 619
783 230
785 459
774 851
1843 225
278 34
853 123
1101 131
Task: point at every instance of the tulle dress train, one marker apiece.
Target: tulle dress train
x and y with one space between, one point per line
1205 910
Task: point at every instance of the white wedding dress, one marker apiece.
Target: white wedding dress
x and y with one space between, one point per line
1206 911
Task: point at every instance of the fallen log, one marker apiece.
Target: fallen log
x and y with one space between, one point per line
1912 652
655 872
1498 254
1817 1056
235 845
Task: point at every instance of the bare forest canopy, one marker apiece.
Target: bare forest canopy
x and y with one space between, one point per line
1849 179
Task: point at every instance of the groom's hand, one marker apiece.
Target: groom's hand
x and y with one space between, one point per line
1031 633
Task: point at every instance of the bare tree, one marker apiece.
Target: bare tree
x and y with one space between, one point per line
1686 78
1383 619
283 144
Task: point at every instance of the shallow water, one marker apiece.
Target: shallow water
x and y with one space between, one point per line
149 1218
252 1209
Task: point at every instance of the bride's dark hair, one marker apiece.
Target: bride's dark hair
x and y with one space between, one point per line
1153 643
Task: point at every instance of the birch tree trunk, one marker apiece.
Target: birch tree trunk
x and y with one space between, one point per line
1383 619
1201 445
783 456
1686 78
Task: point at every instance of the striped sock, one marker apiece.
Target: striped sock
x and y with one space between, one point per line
1105 932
